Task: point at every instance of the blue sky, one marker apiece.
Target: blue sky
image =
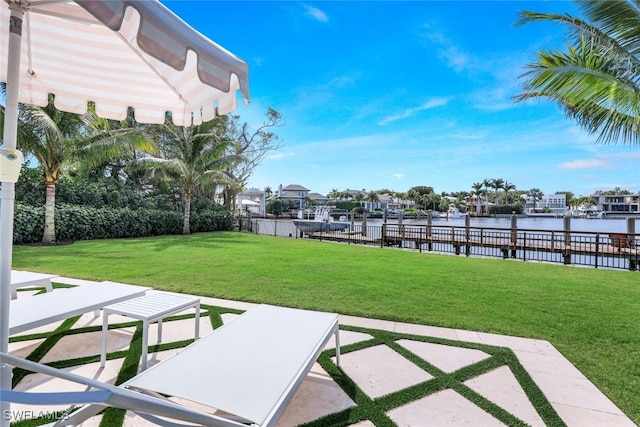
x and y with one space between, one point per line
398 94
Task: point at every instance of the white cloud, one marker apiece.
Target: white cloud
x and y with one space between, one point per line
432 103
315 13
453 55
398 175
455 58
585 164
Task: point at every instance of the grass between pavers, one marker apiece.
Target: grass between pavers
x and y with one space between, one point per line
366 408
589 315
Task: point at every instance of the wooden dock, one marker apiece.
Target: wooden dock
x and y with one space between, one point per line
507 243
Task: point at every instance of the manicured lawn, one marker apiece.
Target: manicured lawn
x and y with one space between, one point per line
590 315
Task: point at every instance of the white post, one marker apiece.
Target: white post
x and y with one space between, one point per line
7 196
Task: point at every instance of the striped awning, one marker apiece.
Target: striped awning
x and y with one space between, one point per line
122 54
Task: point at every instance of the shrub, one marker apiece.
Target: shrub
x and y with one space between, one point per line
347 205
505 209
28 223
89 223
274 207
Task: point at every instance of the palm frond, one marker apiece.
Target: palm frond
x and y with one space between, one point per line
597 80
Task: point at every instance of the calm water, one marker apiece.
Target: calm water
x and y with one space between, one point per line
577 224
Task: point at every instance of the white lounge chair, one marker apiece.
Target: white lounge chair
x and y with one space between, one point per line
247 371
23 279
40 310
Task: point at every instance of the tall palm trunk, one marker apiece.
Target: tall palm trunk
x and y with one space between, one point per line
187 213
49 235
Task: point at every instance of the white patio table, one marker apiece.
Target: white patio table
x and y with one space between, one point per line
149 308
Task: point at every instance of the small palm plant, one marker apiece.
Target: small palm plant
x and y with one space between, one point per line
193 158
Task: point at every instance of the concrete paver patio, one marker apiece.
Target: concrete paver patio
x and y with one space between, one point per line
383 371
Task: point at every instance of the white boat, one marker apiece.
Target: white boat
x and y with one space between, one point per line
321 221
453 212
594 214
588 213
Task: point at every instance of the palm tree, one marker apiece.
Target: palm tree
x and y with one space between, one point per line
487 183
307 202
508 186
477 190
536 194
58 139
596 81
414 196
372 197
194 159
432 198
496 184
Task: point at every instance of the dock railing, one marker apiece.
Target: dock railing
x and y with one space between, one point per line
584 248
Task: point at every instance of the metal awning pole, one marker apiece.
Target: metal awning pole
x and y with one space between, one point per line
7 196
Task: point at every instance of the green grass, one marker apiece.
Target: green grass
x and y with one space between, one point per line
590 315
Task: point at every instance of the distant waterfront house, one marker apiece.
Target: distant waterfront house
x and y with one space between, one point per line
252 200
477 205
354 194
554 202
385 201
296 195
391 203
618 203
318 199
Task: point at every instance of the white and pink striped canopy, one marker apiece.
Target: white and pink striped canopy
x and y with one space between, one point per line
121 54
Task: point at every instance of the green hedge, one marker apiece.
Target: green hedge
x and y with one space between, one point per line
88 223
505 209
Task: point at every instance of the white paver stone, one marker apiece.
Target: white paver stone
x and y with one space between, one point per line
501 387
365 423
444 408
444 357
24 348
577 392
379 370
363 322
582 417
347 338
556 365
425 330
88 344
518 343
317 396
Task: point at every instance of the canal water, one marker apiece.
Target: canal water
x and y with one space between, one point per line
536 229
537 223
